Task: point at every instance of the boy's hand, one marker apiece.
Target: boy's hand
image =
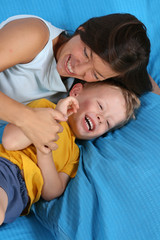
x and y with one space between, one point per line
68 106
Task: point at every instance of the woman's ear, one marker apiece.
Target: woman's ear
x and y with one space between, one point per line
81 28
76 89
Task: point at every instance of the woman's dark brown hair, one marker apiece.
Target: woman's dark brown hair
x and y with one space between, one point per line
122 41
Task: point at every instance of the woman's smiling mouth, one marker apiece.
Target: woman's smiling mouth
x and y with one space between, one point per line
68 66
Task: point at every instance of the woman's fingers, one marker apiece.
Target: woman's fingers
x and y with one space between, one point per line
42 127
51 147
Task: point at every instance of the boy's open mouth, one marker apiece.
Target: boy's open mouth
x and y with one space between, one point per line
89 123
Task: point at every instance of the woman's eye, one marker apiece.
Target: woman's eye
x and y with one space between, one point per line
85 52
96 77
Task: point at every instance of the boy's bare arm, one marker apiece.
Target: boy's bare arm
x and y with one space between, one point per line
14 139
54 182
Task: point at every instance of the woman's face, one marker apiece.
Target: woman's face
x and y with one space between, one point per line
76 59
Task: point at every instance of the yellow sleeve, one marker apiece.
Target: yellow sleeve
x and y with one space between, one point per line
41 103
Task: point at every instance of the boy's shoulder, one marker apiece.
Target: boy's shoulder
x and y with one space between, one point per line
41 103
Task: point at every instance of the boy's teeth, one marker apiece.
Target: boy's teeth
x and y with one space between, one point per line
89 123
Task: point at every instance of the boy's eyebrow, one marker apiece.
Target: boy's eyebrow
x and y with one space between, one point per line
91 56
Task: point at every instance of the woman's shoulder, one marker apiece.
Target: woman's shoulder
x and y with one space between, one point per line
25 36
32 23
25 21
26 27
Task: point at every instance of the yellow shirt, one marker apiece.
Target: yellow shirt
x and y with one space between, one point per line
66 157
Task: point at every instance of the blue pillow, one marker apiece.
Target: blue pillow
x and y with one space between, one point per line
116 193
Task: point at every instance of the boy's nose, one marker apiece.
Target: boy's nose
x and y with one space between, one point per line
100 118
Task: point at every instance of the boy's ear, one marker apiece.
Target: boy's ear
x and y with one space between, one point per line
76 89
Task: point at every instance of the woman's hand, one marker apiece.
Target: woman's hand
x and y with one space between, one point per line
41 126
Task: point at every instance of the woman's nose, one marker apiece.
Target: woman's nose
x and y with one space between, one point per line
82 68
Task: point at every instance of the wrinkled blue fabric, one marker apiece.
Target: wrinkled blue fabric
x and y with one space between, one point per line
1 131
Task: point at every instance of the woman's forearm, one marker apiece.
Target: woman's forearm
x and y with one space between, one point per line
12 111
156 88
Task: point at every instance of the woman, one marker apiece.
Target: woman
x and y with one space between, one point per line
39 60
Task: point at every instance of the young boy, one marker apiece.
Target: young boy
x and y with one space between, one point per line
26 173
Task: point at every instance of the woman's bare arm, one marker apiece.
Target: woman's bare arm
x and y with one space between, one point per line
20 41
156 88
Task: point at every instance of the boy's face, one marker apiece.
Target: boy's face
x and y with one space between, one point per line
101 108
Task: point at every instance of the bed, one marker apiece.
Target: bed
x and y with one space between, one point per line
116 192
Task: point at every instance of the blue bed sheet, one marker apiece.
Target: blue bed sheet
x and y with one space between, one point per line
116 193
26 228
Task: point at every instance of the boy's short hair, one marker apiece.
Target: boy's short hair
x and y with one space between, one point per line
131 99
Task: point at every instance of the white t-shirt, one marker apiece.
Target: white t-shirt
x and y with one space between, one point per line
38 78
